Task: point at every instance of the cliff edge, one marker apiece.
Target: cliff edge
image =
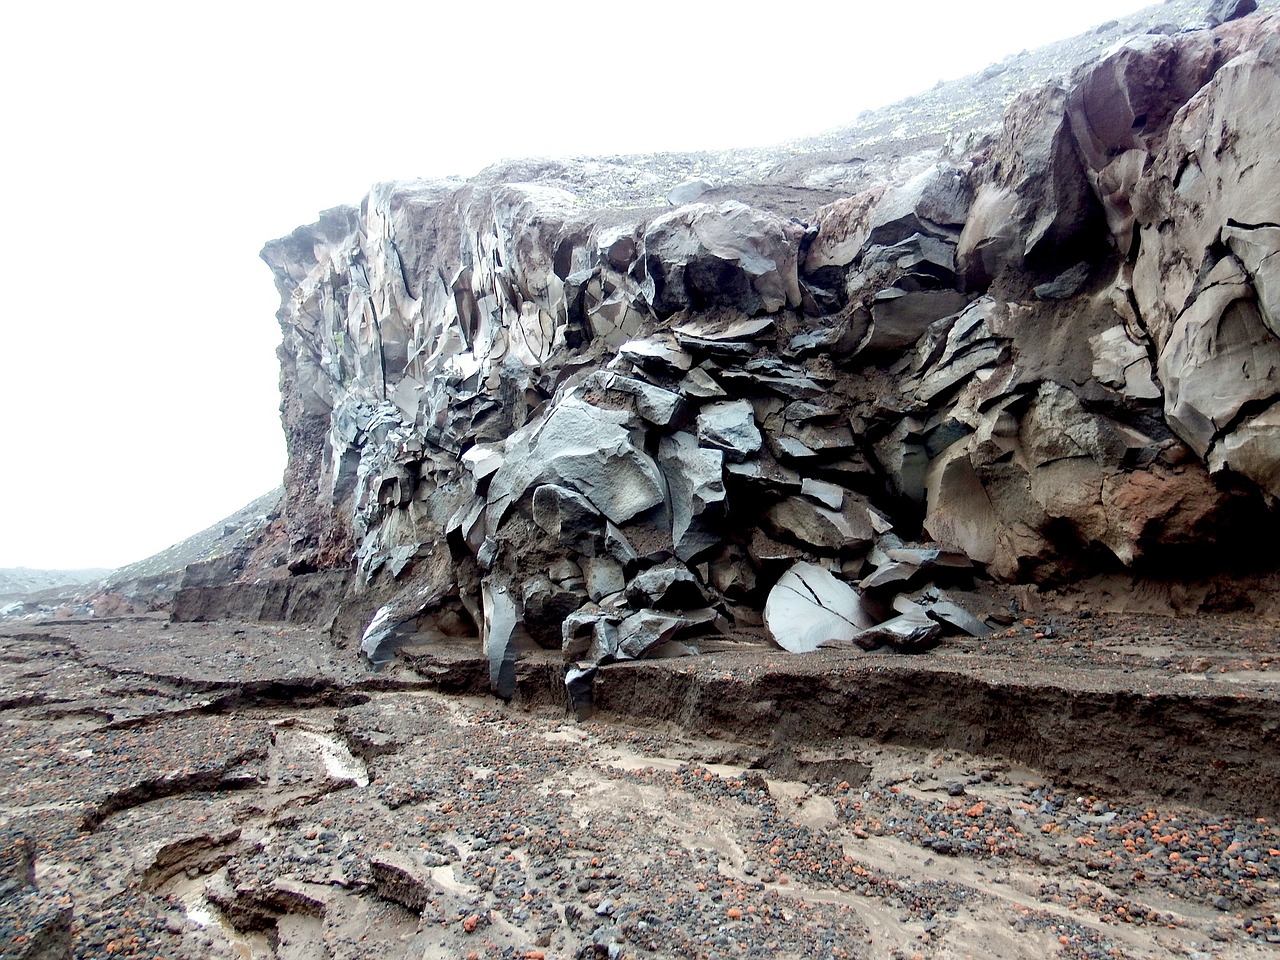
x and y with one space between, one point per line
815 394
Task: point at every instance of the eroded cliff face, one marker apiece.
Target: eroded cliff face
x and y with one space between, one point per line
530 407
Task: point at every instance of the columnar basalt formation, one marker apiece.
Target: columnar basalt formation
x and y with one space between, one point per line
532 408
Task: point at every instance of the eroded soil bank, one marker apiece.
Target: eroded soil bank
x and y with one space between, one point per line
247 790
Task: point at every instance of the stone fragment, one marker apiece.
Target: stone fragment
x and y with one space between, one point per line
933 201
604 576
590 635
730 425
900 317
929 558
483 460
1039 211
787 380
937 606
889 574
667 587
688 191
724 336
722 255
654 354
1065 285
731 573
1216 168
808 606
1220 356
647 629
401 879
656 405
1257 247
1220 11
1252 449
1119 362
544 608
695 481
700 385
566 515
827 531
564 571
960 512
825 494
764 476
911 632
764 549
380 636
501 644
586 449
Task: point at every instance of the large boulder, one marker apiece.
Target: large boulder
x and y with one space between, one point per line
808 606
726 255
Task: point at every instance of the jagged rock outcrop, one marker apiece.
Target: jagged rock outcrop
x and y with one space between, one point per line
617 429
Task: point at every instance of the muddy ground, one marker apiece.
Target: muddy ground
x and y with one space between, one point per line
1073 787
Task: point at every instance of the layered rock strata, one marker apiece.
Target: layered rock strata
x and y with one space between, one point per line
612 429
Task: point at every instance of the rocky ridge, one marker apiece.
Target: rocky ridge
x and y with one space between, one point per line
525 408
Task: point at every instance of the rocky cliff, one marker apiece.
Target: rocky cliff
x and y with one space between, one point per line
803 393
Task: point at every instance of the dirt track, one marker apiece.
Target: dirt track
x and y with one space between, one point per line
248 790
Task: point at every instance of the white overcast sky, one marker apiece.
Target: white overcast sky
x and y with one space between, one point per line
151 149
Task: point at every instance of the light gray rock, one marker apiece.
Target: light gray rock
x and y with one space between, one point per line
825 494
826 531
933 200
911 632
656 354
730 425
1252 449
660 407
586 449
1258 250
688 191
808 606
722 255
604 576
958 617
590 635
726 335
647 629
1220 11
501 642
566 515
668 587
1220 356
695 479
1121 363
700 385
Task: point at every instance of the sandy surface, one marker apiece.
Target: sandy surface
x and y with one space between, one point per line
236 790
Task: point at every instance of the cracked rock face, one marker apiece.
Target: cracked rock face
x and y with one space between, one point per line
808 607
1050 353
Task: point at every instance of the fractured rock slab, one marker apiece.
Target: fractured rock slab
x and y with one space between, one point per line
808 606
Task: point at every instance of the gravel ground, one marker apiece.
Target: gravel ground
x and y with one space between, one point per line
236 790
